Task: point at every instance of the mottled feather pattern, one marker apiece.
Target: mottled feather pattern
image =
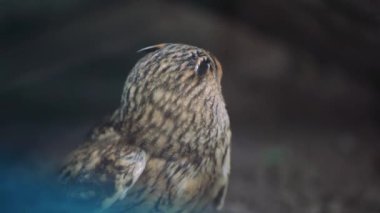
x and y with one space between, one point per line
166 148
104 162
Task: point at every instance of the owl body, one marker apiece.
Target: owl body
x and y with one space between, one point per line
167 147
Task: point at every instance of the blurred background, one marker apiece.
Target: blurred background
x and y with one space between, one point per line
301 81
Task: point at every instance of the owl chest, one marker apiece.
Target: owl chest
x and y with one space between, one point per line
171 186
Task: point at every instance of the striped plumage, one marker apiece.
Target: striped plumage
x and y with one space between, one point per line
167 147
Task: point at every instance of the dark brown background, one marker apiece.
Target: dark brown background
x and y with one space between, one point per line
301 82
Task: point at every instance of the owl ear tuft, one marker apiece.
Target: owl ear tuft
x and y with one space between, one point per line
152 48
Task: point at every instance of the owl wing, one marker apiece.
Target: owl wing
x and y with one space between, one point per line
103 169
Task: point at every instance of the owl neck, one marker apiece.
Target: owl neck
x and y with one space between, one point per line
171 126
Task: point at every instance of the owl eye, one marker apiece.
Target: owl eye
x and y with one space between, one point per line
151 48
203 66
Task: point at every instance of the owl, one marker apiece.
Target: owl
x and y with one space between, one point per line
166 148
